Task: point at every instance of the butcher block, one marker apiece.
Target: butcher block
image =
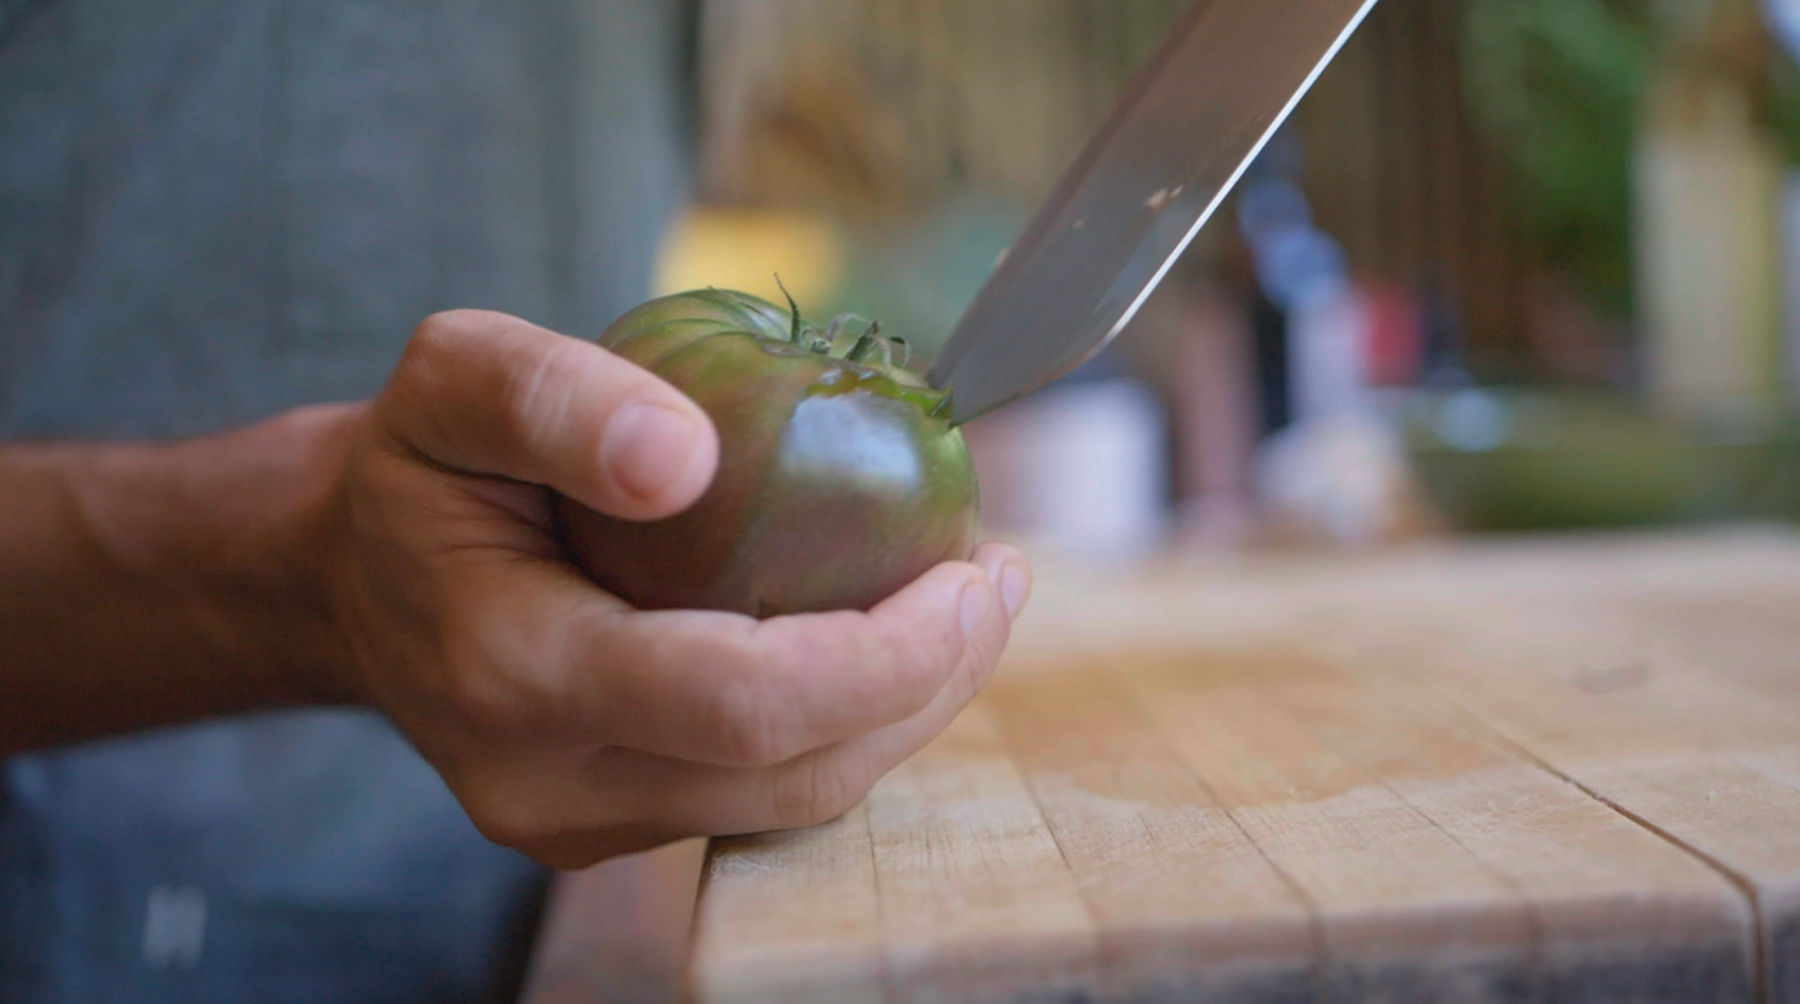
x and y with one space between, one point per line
1519 770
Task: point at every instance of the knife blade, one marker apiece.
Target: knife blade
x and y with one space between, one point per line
1189 125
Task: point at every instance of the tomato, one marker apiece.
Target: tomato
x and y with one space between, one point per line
840 478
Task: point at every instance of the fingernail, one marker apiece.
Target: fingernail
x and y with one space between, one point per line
973 605
1013 588
648 447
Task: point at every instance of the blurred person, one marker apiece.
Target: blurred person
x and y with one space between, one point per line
214 601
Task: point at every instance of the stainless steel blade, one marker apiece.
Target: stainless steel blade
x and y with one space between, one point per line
1190 124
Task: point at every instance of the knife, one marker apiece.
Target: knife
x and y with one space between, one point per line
1187 128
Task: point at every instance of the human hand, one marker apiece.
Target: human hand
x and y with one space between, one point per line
571 726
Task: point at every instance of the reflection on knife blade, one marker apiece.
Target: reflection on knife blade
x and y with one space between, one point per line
1189 125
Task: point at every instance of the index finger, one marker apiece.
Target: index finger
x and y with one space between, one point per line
727 690
754 694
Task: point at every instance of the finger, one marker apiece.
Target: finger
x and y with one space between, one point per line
570 811
1010 572
740 693
491 394
531 645
824 784
535 645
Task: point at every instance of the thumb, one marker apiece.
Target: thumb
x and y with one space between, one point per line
490 394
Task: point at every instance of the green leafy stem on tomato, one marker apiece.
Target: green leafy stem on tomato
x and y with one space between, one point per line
889 381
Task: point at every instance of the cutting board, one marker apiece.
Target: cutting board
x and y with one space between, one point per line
1543 770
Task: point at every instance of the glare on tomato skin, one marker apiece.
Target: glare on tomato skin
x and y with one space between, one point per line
840 480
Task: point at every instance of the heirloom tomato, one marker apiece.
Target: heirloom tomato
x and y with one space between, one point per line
840 477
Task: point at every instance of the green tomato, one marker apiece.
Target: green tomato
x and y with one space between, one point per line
840 478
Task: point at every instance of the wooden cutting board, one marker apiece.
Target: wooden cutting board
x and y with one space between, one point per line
1542 770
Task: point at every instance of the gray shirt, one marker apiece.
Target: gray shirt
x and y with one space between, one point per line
213 210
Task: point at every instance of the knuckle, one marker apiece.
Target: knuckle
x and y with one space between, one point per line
898 670
920 661
817 790
503 822
535 395
425 359
487 697
500 670
440 340
750 728
579 852
434 335
449 326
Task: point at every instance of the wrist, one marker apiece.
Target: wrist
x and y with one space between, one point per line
287 620
230 536
147 585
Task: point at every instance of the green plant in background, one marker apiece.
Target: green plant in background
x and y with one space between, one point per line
1559 82
1784 19
1784 107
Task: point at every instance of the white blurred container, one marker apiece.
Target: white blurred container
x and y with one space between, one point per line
1341 479
1329 345
1708 197
1081 468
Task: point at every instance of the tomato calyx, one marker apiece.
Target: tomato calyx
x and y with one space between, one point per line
830 341
887 378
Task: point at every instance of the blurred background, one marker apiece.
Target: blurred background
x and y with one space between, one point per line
1516 265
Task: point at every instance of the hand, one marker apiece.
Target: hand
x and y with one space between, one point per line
571 726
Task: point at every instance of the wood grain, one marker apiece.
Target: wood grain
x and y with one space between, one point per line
791 917
1687 761
1619 913
1549 771
1407 912
977 903
1187 906
945 886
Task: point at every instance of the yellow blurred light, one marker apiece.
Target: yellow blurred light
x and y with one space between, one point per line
745 249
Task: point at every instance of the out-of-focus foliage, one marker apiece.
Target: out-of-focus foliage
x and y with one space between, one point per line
1784 102
1560 82
1784 91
